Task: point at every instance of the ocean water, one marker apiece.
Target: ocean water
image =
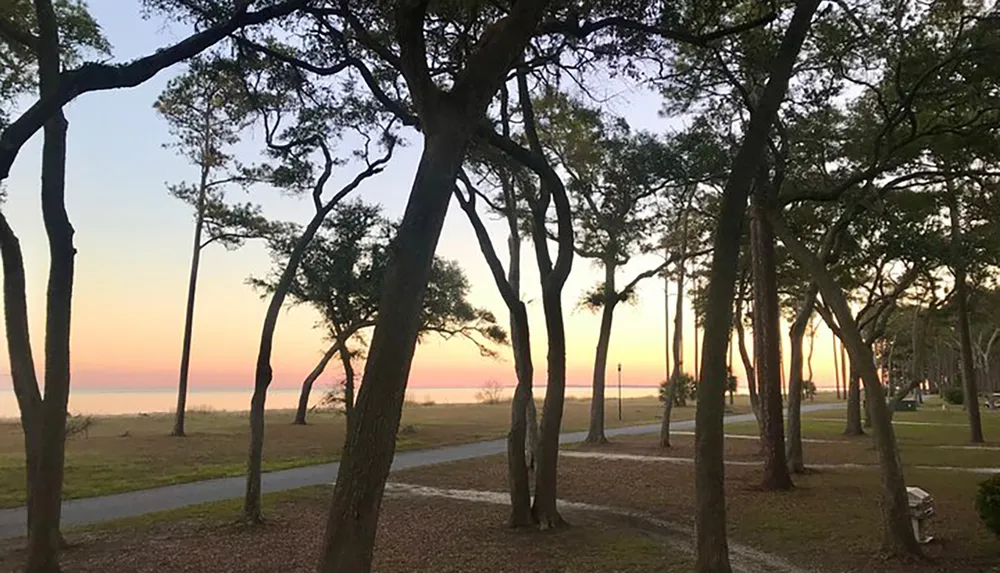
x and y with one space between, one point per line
127 401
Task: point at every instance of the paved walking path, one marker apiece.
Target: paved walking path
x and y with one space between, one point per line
108 507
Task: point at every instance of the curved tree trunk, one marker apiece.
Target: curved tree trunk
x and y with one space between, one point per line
712 548
182 383
307 384
795 335
371 440
668 406
751 372
964 332
345 362
766 333
263 374
595 433
43 541
898 535
22 363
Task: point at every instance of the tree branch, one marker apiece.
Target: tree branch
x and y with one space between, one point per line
97 77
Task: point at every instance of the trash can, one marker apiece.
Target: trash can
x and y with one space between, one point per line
921 509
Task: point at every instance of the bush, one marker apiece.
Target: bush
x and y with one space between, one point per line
491 393
953 395
686 390
78 425
988 503
809 390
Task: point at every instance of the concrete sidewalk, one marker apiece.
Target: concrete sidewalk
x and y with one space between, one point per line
97 509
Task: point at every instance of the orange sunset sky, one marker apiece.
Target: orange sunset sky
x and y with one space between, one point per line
133 244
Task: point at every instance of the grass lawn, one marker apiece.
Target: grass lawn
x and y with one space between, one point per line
414 535
125 453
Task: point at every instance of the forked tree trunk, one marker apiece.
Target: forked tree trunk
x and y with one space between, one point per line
595 433
964 332
22 363
766 333
712 548
898 534
43 541
307 384
371 440
182 383
796 334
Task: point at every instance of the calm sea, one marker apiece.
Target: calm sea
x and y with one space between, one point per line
112 402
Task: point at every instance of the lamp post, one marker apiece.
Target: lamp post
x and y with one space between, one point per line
619 391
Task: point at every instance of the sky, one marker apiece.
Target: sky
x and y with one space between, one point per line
134 240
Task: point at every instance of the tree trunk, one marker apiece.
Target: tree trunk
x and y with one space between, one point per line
751 372
766 333
712 548
544 508
182 383
263 373
836 367
22 363
809 357
345 362
795 336
666 318
668 405
853 427
43 542
371 441
307 384
595 434
843 370
964 332
898 534
517 462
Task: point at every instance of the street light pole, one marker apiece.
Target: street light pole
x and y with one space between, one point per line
619 391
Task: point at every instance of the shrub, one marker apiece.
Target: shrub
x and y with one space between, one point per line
809 390
686 390
491 393
953 395
78 425
988 503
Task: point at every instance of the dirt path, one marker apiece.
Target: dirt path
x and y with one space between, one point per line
743 559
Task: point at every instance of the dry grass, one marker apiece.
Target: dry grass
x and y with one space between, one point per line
414 535
126 453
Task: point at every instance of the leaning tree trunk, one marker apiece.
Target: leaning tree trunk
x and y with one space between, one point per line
766 334
263 374
307 384
182 383
751 372
595 433
371 440
22 363
898 534
43 541
517 462
668 405
964 333
795 336
712 548
345 362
